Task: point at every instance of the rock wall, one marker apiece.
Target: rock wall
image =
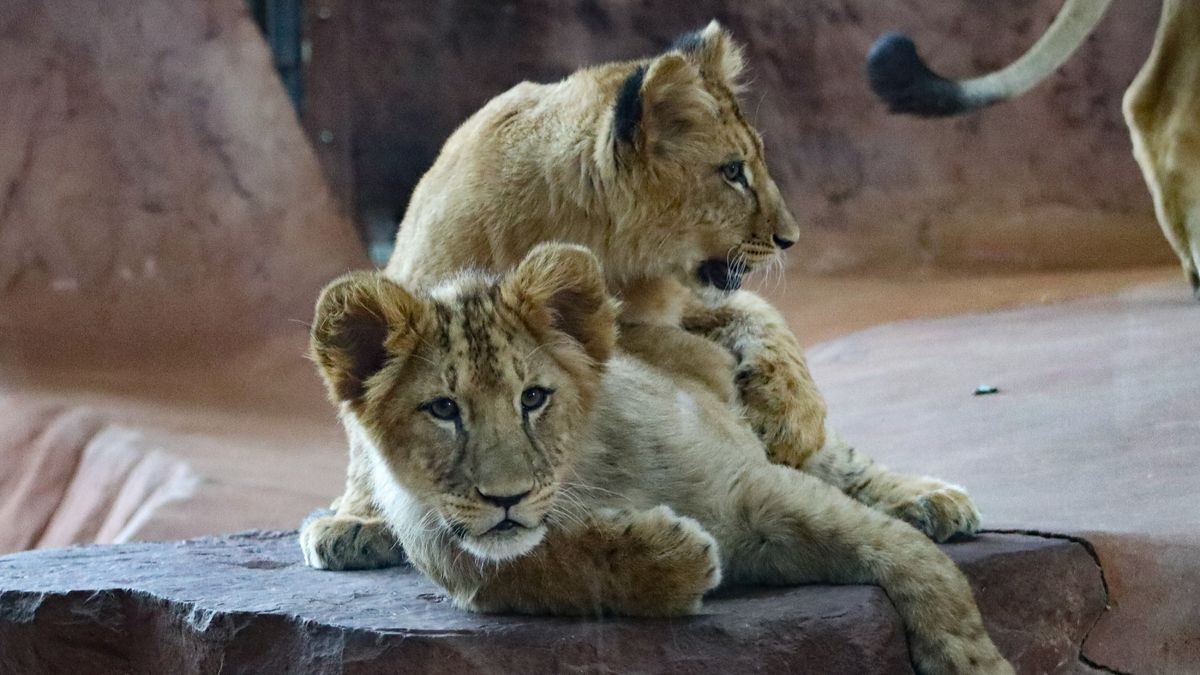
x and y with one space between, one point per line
156 191
1045 181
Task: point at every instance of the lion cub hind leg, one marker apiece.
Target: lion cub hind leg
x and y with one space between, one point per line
790 528
1175 189
937 508
626 563
346 542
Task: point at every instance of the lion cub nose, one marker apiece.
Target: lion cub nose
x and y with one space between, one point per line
503 502
781 242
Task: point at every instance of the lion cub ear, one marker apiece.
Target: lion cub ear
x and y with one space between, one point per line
560 289
715 52
362 321
662 106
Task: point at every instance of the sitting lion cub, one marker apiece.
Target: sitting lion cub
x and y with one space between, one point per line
498 423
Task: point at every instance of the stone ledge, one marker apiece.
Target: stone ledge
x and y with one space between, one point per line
246 603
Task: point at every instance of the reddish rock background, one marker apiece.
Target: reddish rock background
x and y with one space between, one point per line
1046 181
155 191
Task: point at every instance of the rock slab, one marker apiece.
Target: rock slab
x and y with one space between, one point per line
246 603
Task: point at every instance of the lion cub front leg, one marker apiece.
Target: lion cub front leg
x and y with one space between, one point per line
687 357
781 400
346 542
352 535
784 407
626 563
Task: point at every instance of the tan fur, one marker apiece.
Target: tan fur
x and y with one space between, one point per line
638 494
545 163
1162 108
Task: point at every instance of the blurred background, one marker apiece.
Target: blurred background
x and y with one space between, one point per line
178 178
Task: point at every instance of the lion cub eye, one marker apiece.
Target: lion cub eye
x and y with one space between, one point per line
734 172
442 408
534 398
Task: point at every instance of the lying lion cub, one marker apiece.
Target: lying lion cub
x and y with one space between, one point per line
499 424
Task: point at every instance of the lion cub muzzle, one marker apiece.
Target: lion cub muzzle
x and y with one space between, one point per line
727 274
498 527
505 505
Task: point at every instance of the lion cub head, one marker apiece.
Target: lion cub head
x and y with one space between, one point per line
700 196
469 397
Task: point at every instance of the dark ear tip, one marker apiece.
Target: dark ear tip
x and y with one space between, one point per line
336 295
627 113
349 295
348 281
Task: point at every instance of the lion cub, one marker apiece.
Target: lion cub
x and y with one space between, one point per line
496 423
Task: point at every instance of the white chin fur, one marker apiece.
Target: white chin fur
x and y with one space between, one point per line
713 295
504 546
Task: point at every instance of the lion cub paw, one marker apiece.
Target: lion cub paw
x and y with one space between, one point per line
951 653
940 510
674 556
331 542
783 406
